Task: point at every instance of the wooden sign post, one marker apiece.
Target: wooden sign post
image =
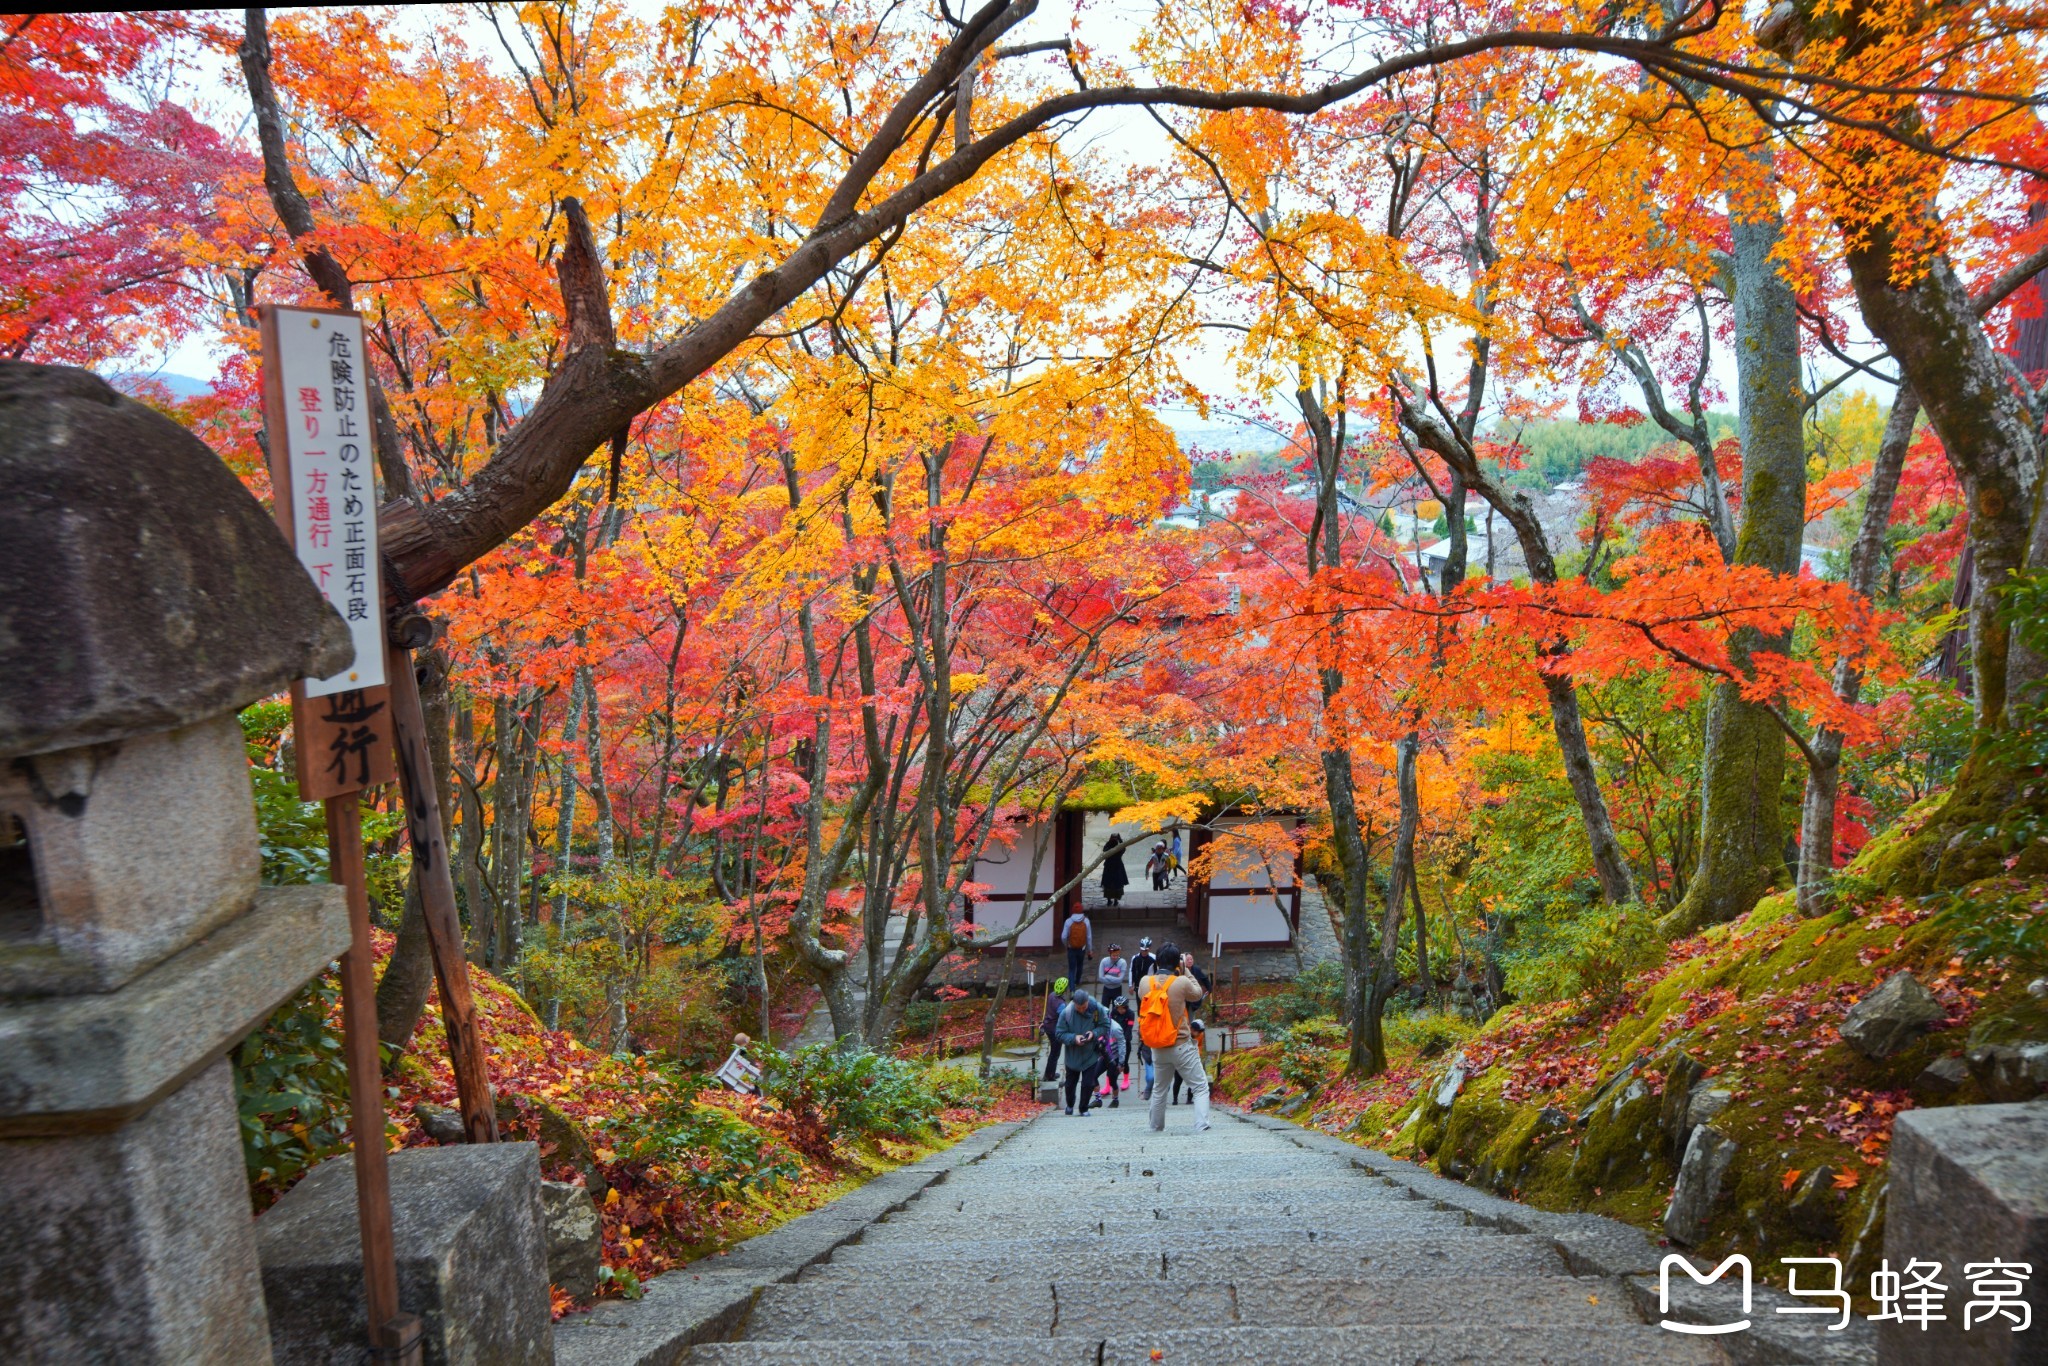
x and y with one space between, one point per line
324 492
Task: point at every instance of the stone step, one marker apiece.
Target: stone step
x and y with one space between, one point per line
1186 1228
1144 1195
1067 1174
1067 1305
1138 1260
1489 1344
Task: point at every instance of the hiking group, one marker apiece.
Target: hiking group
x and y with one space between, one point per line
1144 1011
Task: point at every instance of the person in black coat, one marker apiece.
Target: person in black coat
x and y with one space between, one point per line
1114 876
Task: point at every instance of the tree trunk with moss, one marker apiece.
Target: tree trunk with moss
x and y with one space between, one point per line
1932 327
1742 835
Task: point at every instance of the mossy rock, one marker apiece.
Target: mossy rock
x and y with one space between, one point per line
562 1141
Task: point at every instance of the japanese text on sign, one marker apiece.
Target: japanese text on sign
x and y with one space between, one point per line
333 492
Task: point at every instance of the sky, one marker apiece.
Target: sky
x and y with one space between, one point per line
1108 27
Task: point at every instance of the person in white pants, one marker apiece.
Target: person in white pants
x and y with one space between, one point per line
1184 1059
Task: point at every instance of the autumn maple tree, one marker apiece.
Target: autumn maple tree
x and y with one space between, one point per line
769 403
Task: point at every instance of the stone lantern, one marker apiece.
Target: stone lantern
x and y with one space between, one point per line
145 596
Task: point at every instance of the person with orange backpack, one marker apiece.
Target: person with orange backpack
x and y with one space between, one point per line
1078 934
1163 1001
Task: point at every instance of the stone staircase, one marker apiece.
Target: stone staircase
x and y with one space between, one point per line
1095 1241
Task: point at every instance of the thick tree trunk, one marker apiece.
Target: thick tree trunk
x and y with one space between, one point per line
1366 1051
1932 330
1931 326
1742 842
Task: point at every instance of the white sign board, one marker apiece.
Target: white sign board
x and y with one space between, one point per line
740 1073
333 492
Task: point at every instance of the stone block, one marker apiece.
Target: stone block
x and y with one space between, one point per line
678 1311
1968 1184
69 1063
1707 1157
575 1237
472 1259
1942 1077
2010 1072
140 847
1673 1115
134 1246
1705 1103
1891 1017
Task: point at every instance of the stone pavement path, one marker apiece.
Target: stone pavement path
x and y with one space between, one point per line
1092 1241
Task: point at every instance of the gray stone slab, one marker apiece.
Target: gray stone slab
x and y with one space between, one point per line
1333 1302
782 1252
136 1245
712 1297
471 1249
812 1312
1176 1258
1969 1184
1135 1266
1591 1243
953 1352
658 1329
1485 1344
70 1063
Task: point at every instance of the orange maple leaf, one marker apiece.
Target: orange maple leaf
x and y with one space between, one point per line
1785 1181
1847 1181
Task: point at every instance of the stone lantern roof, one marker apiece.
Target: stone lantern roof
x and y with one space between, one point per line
142 587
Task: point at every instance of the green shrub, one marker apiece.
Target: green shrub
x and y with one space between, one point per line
1317 994
1581 952
709 1147
1429 1032
1999 924
1306 1051
921 1019
291 1090
858 1094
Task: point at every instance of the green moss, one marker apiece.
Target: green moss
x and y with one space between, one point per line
1923 853
1756 1002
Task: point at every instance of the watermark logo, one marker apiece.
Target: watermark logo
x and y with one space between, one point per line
1683 1264
1831 1291
1913 1296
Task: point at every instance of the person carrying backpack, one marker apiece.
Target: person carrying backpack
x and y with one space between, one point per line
1081 1029
1163 1002
1078 934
